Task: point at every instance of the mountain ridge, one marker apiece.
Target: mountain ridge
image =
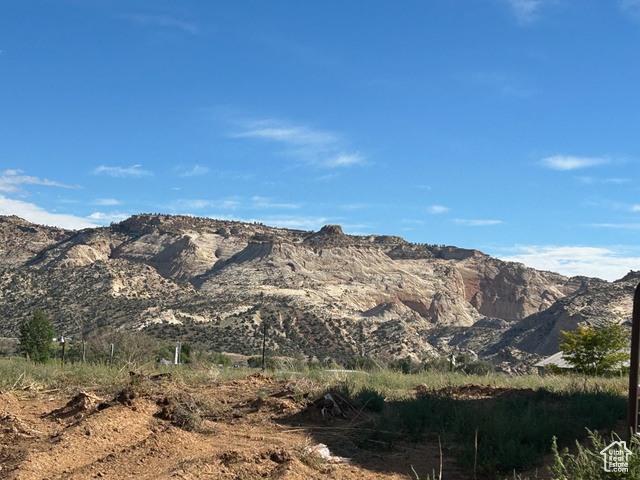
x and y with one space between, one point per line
325 294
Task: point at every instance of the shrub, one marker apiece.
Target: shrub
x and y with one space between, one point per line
596 352
270 363
367 364
477 367
404 365
129 347
371 400
220 359
36 337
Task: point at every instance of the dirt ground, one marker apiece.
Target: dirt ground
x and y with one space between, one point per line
237 429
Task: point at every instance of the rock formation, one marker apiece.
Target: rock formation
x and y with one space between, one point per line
324 294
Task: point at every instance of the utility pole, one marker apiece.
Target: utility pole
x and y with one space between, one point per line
634 367
264 343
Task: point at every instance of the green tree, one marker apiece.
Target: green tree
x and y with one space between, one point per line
36 337
596 351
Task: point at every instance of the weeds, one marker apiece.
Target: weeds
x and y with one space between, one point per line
514 429
513 432
589 463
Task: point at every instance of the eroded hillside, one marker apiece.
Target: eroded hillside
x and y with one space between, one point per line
323 294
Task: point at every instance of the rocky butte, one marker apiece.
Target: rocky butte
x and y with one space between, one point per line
324 294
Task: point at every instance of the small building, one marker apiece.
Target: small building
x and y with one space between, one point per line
557 361
554 361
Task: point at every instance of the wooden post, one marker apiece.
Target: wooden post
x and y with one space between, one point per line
264 344
84 351
63 345
634 364
111 355
176 358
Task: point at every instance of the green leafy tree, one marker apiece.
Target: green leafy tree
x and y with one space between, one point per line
36 337
596 351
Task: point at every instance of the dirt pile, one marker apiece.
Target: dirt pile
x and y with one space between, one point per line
242 429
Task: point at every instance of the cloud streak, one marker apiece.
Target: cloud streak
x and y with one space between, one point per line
199 204
608 263
526 11
106 202
195 171
122 172
566 162
39 215
620 226
162 21
315 147
262 202
108 217
477 222
437 209
11 181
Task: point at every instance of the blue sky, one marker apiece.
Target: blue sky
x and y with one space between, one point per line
509 126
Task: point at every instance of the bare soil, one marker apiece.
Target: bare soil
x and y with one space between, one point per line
238 429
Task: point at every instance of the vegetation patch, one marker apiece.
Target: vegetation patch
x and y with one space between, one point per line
509 430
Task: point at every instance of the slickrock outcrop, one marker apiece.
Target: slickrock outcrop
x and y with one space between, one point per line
325 294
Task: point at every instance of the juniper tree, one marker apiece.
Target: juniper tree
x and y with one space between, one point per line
36 337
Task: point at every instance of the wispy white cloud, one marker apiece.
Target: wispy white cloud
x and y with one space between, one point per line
477 222
614 181
436 209
412 221
566 162
292 135
301 222
526 11
105 202
11 181
354 206
327 177
343 160
195 171
312 146
182 205
614 205
262 202
133 171
631 7
297 222
108 217
506 84
609 263
621 226
163 21
39 215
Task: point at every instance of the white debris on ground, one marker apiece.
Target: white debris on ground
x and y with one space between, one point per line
323 452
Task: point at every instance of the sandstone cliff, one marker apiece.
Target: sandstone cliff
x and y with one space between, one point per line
325 294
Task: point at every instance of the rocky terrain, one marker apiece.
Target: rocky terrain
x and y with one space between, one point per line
323 294
245 429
